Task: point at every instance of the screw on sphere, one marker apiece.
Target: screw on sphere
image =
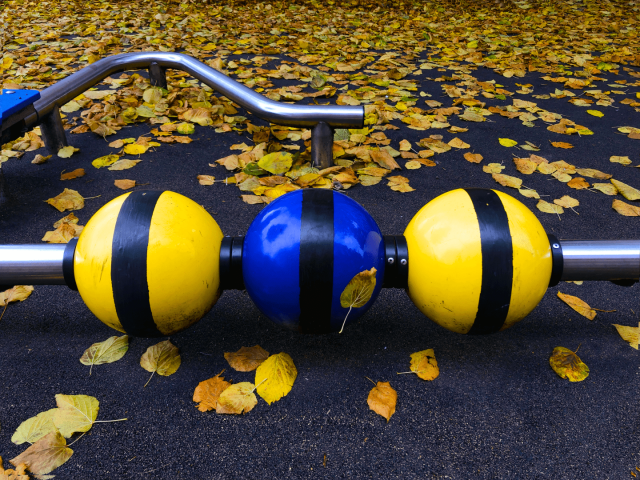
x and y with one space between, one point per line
556 245
403 261
390 260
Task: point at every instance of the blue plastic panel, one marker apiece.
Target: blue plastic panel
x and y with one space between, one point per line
12 101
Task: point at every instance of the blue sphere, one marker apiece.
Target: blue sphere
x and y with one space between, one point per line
301 252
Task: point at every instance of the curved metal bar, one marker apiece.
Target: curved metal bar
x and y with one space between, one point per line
275 112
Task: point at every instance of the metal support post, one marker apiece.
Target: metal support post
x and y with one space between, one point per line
322 145
53 131
157 75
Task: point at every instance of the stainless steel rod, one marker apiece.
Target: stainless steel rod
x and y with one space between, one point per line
275 112
600 259
31 264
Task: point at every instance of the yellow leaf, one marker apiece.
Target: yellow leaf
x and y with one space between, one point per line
208 392
134 149
358 291
19 293
109 159
507 180
382 400
369 180
276 163
628 334
34 428
493 168
237 399
108 351
401 187
627 191
524 165
45 455
507 142
595 113
206 179
384 159
567 202
124 164
606 188
547 207
70 107
124 184
67 200
275 377
75 413
473 157
625 209
561 145
529 193
578 183
457 143
590 172
253 199
412 165
66 152
568 365
405 145
163 358
578 305
424 364
622 160
63 233
152 95
247 359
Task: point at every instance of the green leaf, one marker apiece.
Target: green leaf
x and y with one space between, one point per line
253 169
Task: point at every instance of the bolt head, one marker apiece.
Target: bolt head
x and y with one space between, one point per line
403 261
390 260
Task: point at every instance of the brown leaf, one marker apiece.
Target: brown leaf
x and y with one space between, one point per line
382 399
206 179
63 233
78 172
125 184
45 455
472 157
561 145
524 165
67 200
578 305
578 183
208 391
382 158
246 359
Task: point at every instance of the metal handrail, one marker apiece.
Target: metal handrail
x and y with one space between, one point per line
67 89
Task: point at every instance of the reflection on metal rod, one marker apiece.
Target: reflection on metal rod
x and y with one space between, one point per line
600 259
31 264
281 113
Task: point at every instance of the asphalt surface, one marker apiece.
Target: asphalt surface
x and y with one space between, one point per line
497 410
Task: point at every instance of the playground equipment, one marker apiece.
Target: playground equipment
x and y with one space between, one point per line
152 263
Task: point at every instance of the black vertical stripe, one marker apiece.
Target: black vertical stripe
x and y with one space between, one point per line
316 260
497 261
129 264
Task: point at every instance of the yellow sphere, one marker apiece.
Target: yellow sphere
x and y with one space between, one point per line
479 260
147 263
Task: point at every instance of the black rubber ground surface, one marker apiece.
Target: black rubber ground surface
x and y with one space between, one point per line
497 410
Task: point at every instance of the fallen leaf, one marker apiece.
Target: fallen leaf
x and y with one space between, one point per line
405 145
237 399
66 152
384 159
424 364
561 145
568 365
547 207
493 168
135 149
457 143
276 162
253 199
247 359
163 358
63 233
45 455
186 128
507 142
578 305
628 334
75 413
106 160
124 184
206 179
595 113
78 172
19 293
567 202
507 180
34 428
275 377
208 392
524 165
625 209
621 160
382 400
590 172
529 193
108 351
627 191
606 188
578 183
124 164
412 165
40 159
473 157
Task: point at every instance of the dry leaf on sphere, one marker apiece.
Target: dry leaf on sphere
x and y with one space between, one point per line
578 305
628 334
208 391
237 399
568 365
507 180
457 143
424 364
627 191
45 455
124 184
358 291
19 293
547 207
625 209
66 152
529 193
247 359
621 160
493 168
578 183
78 172
75 413
472 157
567 202
108 351
163 358
124 164
606 188
206 179
275 377
382 399
561 145
507 142
67 200
35 428
524 165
